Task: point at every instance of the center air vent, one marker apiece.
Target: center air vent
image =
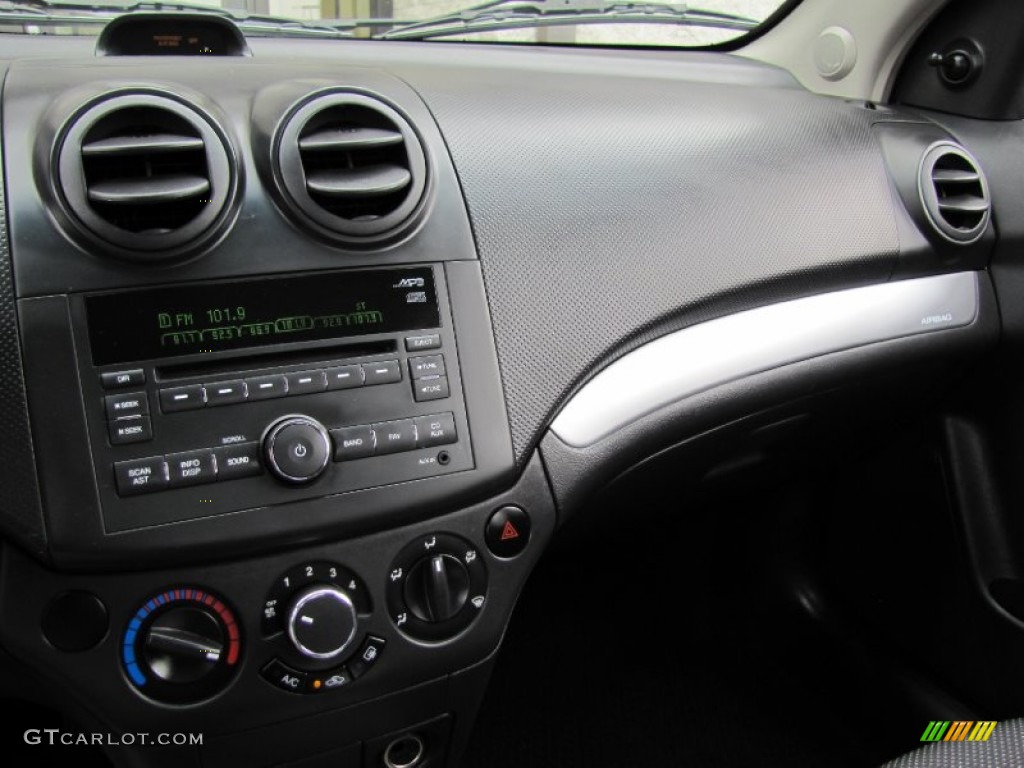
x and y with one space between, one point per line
351 168
954 192
145 177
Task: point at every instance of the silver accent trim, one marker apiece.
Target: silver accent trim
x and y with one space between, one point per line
316 593
696 359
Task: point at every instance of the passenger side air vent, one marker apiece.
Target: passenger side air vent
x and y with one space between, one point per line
954 192
146 177
351 168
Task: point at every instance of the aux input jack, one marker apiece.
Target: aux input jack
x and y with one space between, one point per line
444 458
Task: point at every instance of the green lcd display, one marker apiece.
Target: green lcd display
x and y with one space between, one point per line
212 317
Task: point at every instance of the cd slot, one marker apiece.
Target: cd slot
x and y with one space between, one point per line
254 363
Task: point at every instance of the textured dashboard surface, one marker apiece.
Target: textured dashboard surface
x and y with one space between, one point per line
21 515
610 210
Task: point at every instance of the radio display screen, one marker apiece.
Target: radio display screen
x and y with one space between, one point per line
213 317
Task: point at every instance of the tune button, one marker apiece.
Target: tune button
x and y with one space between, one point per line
297 449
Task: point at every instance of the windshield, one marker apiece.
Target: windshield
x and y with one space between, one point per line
558 22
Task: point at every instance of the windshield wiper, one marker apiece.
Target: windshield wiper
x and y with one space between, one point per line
85 12
519 14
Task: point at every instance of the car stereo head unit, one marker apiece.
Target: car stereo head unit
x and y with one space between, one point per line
211 398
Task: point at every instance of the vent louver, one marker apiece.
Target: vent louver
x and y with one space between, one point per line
352 167
954 192
146 176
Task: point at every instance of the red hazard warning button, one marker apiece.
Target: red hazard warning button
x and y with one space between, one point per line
508 532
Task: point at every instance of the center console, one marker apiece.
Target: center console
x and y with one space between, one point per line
277 493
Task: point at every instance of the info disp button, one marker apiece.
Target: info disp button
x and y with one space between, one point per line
297 449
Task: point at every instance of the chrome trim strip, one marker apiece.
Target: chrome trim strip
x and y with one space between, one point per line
696 359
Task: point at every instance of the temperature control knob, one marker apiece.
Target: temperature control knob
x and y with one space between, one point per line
321 621
181 646
297 448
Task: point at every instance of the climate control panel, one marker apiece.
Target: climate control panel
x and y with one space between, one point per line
312 619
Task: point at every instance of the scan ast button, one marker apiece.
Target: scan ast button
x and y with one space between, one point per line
141 476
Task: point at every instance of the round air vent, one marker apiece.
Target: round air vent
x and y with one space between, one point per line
954 192
351 168
145 177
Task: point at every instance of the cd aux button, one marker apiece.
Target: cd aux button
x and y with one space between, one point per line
435 430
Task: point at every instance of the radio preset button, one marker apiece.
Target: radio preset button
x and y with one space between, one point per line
182 398
428 365
438 429
352 443
238 460
422 343
395 436
297 449
128 404
140 476
121 379
130 429
430 388
382 372
345 377
266 387
306 382
225 392
191 467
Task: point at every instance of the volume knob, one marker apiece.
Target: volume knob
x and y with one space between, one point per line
297 449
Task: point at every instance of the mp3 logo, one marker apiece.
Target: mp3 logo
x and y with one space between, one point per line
409 282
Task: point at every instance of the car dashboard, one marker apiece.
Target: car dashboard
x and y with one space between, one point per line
308 351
